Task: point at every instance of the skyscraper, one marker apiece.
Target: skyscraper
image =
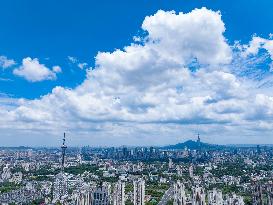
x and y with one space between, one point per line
232 199
215 197
60 189
257 198
84 196
101 195
139 192
191 171
198 196
170 165
119 193
269 189
179 193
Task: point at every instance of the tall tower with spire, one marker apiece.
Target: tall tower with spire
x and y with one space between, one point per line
60 184
198 138
64 147
198 141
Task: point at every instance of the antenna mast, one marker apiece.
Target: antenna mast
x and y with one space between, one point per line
198 138
63 152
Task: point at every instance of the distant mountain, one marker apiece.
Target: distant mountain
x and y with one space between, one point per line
190 144
249 145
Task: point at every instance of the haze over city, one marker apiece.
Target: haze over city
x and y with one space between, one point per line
113 73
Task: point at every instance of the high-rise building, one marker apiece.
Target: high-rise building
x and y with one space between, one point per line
139 192
84 195
215 197
60 184
269 190
179 193
259 149
185 152
198 196
170 165
119 193
179 170
232 199
6 174
191 171
125 152
257 198
101 195
84 198
60 187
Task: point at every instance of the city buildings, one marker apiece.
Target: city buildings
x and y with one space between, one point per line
215 197
191 171
60 187
102 194
119 193
257 193
198 196
139 191
6 174
102 176
83 196
269 190
179 194
232 199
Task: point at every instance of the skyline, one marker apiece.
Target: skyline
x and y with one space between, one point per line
168 72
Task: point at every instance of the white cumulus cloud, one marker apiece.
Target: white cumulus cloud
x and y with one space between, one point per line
181 37
147 92
256 44
5 62
32 70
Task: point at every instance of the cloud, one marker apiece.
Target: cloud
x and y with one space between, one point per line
33 71
5 79
259 51
82 65
72 59
148 90
256 44
57 69
5 62
180 38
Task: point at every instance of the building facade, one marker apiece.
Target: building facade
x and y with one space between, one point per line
102 194
139 192
269 190
179 194
215 197
257 196
198 196
60 187
119 193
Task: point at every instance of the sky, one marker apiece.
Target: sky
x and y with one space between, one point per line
112 73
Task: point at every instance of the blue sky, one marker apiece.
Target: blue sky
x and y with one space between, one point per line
69 33
54 30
